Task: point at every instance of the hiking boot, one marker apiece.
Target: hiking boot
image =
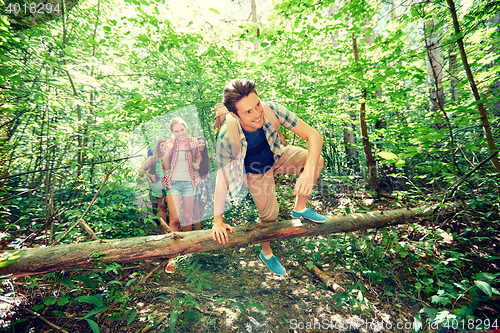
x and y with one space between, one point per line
273 264
310 215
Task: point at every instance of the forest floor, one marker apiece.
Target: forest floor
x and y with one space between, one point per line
242 296
290 303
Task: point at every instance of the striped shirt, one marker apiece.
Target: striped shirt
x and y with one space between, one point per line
224 156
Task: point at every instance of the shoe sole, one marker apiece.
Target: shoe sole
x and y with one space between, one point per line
308 219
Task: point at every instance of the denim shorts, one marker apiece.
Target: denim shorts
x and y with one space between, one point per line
183 187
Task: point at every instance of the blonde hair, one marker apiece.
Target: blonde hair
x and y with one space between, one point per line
177 120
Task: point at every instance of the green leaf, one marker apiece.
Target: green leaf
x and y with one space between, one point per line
255 305
38 307
484 286
130 281
173 320
115 282
59 313
96 300
132 316
194 280
400 163
309 265
190 276
214 10
95 311
116 317
190 314
93 325
63 301
68 282
387 155
239 306
486 276
88 281
49 300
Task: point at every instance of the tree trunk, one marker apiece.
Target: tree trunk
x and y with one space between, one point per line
63 257
453 74
371 163
254 20
350 147
434 67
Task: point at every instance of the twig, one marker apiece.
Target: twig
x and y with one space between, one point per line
59 329
327 281
460 181
80 220
464 177
153 271
67 167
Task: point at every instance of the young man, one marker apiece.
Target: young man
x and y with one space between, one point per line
261 156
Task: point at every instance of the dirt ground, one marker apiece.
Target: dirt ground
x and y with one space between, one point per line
238 294
291 303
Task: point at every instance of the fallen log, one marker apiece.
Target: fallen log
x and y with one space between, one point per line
160 247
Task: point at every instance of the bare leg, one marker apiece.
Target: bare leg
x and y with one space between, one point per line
300 200
162 214
174 202
198 214
187 212
266 248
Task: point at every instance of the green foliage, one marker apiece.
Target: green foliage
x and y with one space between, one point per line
74 94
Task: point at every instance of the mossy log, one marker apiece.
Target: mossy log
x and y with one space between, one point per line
41 260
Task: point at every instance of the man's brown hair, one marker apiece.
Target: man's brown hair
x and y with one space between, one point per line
235 90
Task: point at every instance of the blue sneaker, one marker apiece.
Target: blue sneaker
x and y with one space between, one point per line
310 215
273 264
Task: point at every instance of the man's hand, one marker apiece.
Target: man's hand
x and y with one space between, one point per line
305 183
219 232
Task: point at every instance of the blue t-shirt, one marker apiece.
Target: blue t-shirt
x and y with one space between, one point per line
259 158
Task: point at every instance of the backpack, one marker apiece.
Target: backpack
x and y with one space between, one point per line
152 168
222 115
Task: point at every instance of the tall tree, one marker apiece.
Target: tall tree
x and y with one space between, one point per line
434 61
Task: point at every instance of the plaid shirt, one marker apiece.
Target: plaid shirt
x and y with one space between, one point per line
191 155
236 167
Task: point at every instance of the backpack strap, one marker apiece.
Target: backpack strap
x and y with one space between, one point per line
222 115
234 135
152 168
273 119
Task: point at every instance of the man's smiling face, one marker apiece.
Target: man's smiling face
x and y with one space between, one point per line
250 113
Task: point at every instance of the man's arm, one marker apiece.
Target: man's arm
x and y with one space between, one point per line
219 229
306 181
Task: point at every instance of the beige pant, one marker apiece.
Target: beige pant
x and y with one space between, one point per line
263 188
